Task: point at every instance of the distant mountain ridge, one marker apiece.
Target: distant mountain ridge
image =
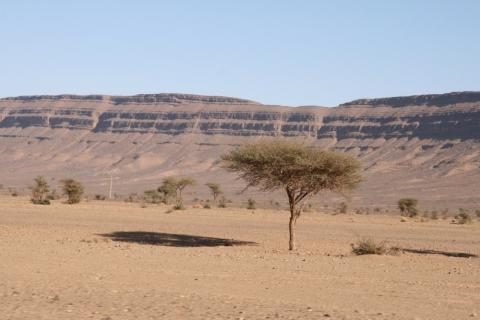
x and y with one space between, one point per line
139 98
416 100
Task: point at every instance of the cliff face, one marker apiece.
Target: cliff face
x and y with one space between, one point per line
146 136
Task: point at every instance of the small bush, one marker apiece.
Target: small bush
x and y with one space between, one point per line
100 197
408 207
463 217
434 215
207 205
73 190
14 193
251 204
369 246
150 196
40 191
343 207
179 206
477 213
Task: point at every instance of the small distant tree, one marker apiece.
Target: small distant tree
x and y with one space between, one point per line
408 206
40 191
300 170
215 190
73 190
174 187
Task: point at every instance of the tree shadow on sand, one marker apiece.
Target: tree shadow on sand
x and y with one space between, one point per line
173 240
443 253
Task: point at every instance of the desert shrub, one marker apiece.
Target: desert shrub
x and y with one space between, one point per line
377 210
251 204
408 206
370 246
222 203
151 196
73 190
358 211
14 193
343 207
178 206
99 197
434 215
207 205
477 213
463 217
40 191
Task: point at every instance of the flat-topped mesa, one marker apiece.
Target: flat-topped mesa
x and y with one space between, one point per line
439 100
177 98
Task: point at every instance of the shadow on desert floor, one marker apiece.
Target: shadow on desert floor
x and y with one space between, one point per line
173 240
443 253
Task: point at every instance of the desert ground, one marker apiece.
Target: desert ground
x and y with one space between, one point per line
115 260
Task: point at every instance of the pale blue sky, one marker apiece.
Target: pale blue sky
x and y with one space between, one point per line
272 51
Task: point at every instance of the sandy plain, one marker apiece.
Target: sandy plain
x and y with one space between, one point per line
113 260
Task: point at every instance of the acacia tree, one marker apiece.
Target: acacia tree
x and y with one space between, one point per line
215 190
173 187
181 185
300 170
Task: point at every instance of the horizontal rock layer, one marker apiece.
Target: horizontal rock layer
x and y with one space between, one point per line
237 117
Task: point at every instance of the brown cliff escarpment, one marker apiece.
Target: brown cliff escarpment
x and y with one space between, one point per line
423 145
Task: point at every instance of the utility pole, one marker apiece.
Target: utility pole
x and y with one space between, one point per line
110 188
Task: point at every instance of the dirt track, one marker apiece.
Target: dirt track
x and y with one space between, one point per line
72 262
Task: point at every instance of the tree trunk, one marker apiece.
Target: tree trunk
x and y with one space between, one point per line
291 229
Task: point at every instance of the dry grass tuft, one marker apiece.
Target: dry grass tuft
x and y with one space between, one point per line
369 246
